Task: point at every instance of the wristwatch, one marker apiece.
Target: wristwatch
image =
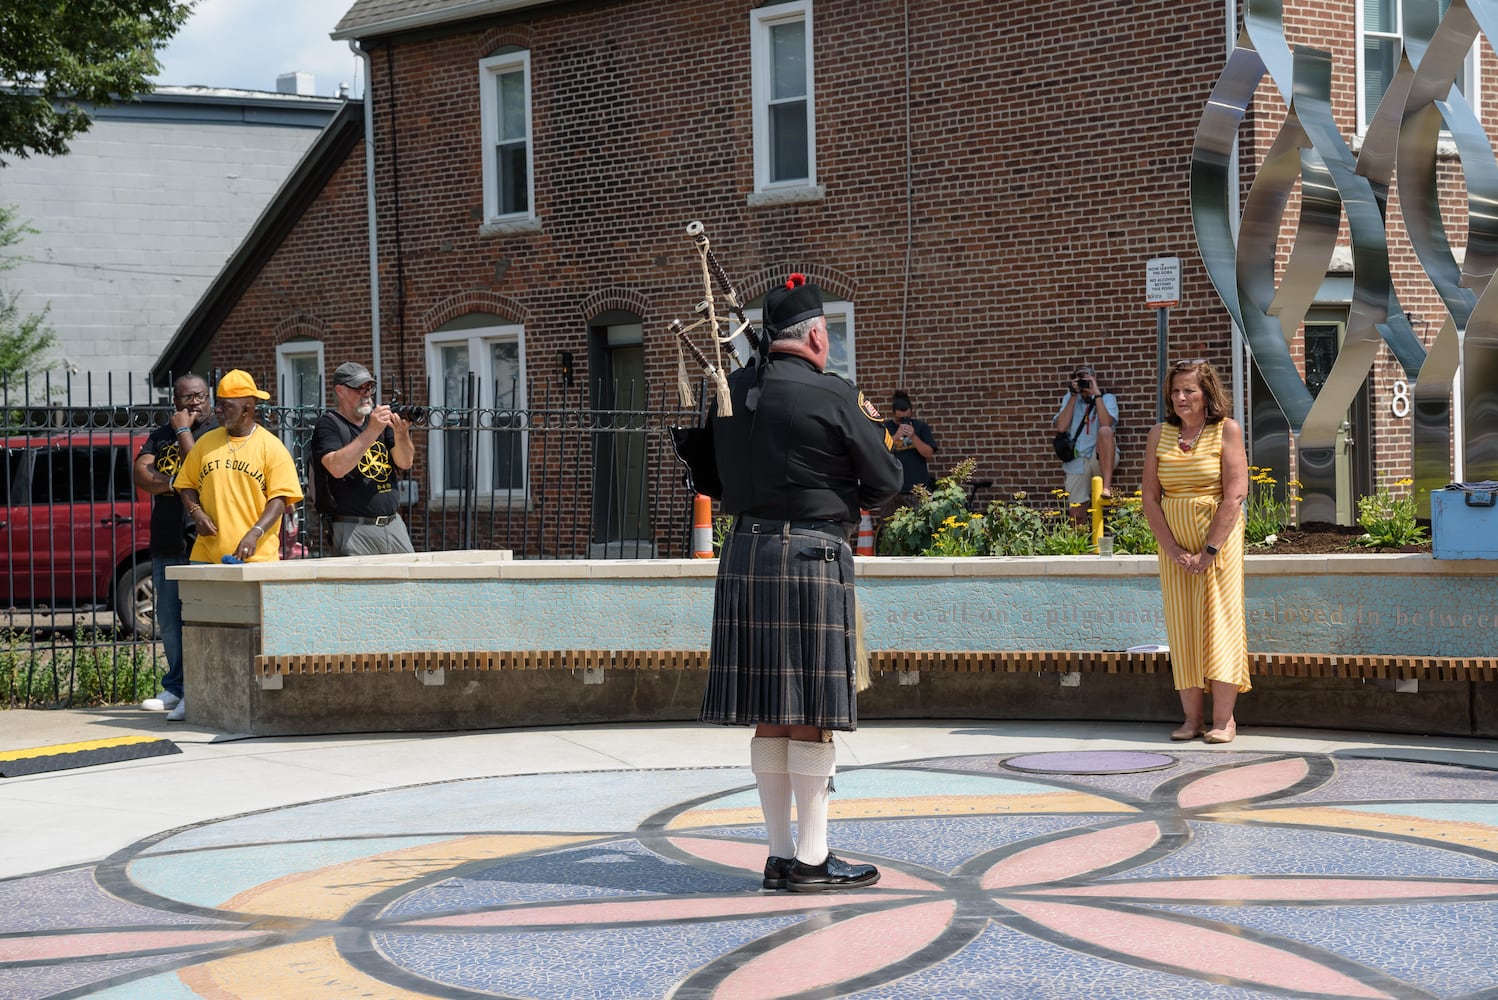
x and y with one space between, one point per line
1212 550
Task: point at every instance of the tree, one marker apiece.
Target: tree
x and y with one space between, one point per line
58 54
24 340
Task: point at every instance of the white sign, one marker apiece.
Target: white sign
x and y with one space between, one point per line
1162 282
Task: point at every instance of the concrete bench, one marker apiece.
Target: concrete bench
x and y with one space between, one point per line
476 640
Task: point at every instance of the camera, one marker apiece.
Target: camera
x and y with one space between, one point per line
409 412
1081 380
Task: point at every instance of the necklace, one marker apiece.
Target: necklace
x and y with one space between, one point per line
1188 445
232 447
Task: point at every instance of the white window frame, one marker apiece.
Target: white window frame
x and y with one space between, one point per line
478 342
761 20
284 372
489 70
1470 69
833 309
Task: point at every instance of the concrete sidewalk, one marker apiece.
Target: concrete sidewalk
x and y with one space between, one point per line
75 816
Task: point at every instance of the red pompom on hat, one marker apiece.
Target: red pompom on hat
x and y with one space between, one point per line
796 301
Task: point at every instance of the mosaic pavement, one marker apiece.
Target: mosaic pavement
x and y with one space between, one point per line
1097 874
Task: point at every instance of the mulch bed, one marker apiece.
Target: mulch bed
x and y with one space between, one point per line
1323 538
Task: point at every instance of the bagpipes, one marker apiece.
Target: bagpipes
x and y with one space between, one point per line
707 312
694 445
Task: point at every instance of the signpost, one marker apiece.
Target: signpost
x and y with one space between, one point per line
1162 289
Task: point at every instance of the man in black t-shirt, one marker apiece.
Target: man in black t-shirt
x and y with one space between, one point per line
171 538
356 450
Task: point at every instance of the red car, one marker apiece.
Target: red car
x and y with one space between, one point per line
74 533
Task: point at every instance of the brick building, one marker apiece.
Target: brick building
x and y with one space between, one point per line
977 184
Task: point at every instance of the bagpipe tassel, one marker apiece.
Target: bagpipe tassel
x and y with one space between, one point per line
683 383
725 398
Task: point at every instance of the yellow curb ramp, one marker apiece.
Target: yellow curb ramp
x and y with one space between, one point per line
64 756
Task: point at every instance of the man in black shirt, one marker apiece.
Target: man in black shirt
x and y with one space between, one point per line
802 453
171 539
356 449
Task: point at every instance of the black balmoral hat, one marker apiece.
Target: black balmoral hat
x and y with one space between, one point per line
792 303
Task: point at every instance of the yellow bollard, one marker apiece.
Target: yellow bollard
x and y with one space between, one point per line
1097 513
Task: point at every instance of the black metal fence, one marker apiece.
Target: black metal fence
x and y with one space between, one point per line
571 473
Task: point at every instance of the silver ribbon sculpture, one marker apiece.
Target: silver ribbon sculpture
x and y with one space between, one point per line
1405 132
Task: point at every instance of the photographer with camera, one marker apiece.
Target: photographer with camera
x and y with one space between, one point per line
1088 415
913 444
356 450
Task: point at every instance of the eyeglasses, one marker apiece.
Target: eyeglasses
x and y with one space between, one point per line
190 397
1192 363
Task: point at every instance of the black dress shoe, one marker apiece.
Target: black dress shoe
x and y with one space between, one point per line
834 873
776 869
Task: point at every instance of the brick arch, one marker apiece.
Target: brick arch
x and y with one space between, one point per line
495 38
300 324
834 283
475 301
625 299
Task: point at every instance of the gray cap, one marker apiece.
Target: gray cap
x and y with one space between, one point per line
353 375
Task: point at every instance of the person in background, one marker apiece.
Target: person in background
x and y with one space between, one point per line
236 484
913 444
802 453
1090 415
1195 482
171 534
356 449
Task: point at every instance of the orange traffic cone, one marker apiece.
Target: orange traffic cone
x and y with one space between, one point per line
702 527
866 535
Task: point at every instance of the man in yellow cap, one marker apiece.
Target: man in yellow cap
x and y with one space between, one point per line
235 485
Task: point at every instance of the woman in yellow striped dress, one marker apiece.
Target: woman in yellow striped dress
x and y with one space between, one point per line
1195 482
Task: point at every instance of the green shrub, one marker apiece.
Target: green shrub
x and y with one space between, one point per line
1389 521
93 669
1064 537
1014 529
911 531
1265 516
1130 528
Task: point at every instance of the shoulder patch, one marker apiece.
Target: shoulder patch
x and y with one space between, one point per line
868 408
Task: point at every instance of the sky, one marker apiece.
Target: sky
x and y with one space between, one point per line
246 44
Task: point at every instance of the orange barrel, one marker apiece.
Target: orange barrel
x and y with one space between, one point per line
866 535
702 527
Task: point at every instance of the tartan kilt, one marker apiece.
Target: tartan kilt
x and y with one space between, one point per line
784 639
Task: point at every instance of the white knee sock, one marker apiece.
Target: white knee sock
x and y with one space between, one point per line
767 759
811 766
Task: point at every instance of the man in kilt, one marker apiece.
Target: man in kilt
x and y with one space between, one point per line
801 455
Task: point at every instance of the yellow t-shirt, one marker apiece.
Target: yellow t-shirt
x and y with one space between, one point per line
235 479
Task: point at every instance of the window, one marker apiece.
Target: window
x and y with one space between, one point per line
1381 26
81 474
839 317
299 374
478 382
299 368
505 102
784 106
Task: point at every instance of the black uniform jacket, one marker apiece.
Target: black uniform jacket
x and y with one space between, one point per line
806 450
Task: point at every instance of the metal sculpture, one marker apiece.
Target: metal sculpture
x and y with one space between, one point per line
1405 131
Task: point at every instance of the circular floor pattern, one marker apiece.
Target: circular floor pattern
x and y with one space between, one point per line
1226 876
1090 762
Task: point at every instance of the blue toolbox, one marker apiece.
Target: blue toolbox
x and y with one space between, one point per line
1464 521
